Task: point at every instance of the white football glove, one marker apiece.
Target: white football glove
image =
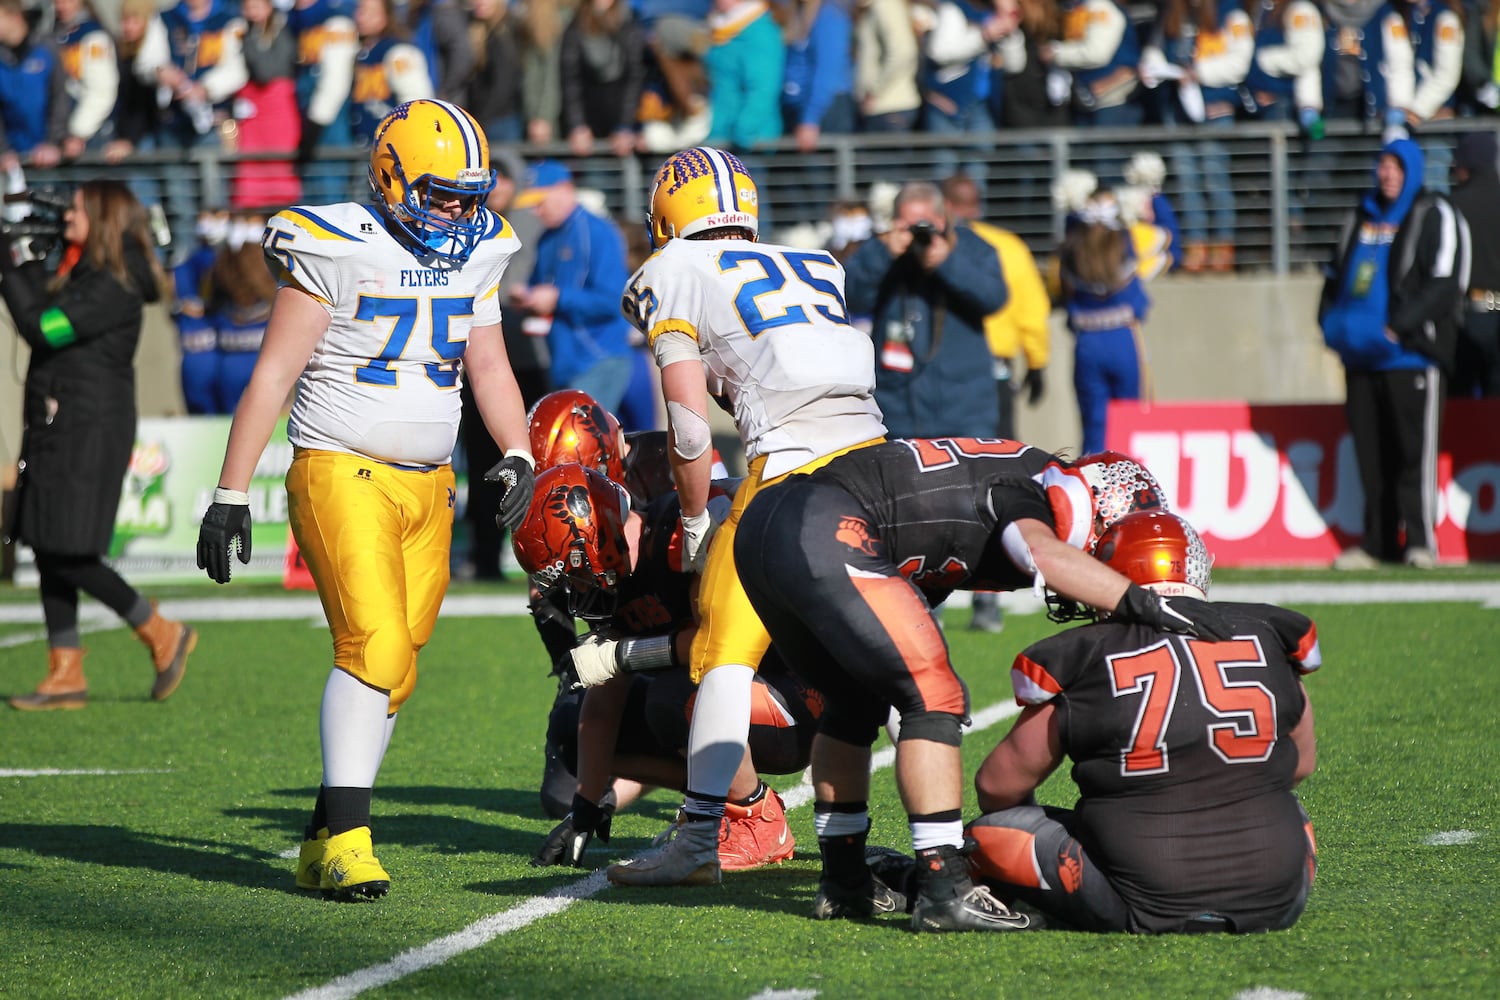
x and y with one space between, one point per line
594 660
698 531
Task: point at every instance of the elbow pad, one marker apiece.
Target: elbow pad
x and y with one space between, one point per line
691 436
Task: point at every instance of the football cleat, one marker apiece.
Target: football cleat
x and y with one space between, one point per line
699 190
948 899
351 871
895 870
689 856
310 862
976 910
755 835
836 902
427 153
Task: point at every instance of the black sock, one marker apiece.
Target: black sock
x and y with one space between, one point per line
348 808
754 797
319 816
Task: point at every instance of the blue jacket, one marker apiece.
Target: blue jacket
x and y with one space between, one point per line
821 66
1395 270
33 98
585 258
950 387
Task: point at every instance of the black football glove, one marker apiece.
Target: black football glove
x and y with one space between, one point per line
1035 384
226 526
1184 615
570 838
516 474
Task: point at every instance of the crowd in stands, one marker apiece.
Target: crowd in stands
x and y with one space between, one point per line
653 76
657 75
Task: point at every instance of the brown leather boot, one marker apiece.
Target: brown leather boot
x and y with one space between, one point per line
64 686
1221 257
1195 259
170 643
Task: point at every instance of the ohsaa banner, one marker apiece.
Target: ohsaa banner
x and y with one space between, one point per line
1279 484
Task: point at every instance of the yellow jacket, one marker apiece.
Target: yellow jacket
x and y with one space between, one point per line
1020 327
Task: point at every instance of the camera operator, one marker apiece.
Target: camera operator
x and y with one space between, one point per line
928 285
83 323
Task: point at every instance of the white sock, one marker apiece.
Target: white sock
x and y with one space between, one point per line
354 731
925 835
390 727
840 824
717 736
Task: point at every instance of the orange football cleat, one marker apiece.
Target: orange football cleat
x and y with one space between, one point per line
755 835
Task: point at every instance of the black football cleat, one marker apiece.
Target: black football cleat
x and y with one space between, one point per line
836 902
977 910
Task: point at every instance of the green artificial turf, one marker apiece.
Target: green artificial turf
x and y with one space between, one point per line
169 883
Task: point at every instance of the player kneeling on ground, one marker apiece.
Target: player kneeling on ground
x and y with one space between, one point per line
1185 753
593 558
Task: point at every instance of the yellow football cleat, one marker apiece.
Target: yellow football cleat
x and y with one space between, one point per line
351 871
310 862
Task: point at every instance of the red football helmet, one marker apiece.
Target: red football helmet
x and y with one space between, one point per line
1095 492
574 536
570 426
1157 550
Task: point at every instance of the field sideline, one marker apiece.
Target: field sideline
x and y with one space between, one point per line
140 845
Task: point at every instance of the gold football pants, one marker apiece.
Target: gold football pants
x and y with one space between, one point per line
729 630
376 541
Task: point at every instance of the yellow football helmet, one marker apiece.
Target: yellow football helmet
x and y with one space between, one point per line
701 189
426 153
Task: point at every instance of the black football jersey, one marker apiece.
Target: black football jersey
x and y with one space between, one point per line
656 596
940 505
1181 749
648 468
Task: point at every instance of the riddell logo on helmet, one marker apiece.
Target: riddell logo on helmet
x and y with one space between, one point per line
727 219
472 175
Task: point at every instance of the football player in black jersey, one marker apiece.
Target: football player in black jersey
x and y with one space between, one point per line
623 573
844 567
570 426
1185 754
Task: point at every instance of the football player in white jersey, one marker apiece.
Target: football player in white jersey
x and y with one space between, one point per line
380 310
765 328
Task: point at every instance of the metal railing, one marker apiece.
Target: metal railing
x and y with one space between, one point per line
1290 195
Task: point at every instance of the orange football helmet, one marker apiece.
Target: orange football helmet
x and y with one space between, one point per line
1157 550
1096 491
570 426
574 536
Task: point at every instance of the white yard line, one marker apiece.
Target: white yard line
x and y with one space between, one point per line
1450 838
524 914
52 772
306 606
1268 993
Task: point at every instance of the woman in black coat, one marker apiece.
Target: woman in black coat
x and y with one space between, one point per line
83 325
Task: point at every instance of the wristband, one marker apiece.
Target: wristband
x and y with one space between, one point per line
522 453
657 652
231 497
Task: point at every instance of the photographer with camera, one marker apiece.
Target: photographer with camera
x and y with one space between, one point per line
928 285
82 321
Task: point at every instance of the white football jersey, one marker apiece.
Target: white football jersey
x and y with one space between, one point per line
774 334
383 380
